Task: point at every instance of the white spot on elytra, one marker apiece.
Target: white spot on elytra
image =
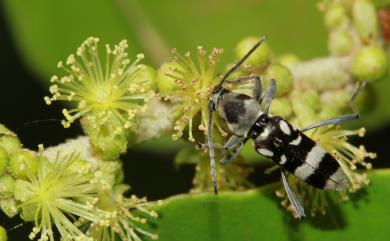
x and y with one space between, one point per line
304 171
296 141
265 152
315 156
283 160
311 163
284 127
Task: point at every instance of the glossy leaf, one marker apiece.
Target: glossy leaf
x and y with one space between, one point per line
257 215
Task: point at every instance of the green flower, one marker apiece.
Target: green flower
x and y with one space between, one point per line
129 216
100 89
194 81
56 196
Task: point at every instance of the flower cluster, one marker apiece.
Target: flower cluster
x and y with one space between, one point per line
106 94
108 89
124 222
189 87
69 189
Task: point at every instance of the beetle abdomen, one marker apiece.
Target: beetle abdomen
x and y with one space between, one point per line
299 155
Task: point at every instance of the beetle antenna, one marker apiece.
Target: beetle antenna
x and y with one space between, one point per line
239 63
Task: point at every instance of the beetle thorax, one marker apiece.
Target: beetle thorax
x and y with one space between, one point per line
238 111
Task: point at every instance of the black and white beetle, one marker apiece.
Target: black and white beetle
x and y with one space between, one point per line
273 137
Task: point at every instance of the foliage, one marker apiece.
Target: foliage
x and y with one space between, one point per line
77 187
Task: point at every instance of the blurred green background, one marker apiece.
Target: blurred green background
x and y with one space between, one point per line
35 35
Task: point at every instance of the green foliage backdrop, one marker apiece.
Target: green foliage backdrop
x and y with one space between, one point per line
46 31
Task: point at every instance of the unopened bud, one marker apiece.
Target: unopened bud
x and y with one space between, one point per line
147 77
259 58
22 163
281 107
340 42
336 16
282 76
370 64
365 20
3 234
166 77
3 161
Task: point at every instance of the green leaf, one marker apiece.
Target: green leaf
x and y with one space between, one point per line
257 215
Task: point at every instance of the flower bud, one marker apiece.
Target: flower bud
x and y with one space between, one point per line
7 186
337 99
22 163
3 161
370 64
282 76
365 20
166 77
9 207
340 42
120 176
289 60
336 16
281 107
110 170
109 140
259 58
329 111
79 166
9 142
305 106
3 234
28 211
147 76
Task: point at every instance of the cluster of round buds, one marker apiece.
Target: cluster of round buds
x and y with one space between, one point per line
13 165
354 31
261 63
188 85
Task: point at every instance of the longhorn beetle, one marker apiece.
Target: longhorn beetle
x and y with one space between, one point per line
273 137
